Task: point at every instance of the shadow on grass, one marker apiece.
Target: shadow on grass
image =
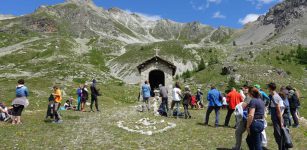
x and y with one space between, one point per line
69 117
223 149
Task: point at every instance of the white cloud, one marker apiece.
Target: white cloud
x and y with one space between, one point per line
260 3
145 16
218 15
249 18
203 4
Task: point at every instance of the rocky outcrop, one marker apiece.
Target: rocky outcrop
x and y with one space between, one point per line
284 13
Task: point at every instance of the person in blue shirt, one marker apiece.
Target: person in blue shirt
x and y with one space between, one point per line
263 95
20 102
214 97
146 90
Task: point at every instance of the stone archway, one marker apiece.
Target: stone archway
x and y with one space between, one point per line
156 77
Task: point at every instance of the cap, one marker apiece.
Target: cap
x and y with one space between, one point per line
257 86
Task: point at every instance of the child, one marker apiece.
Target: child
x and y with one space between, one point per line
50 107
193 102
67 105
4 113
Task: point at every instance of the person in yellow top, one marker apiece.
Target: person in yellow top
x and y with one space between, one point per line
57 94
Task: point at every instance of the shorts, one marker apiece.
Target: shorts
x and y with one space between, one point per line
145 99
83 100
17 110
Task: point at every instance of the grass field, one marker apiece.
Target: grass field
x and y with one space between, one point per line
99 130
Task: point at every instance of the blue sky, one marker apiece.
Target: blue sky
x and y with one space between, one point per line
231 13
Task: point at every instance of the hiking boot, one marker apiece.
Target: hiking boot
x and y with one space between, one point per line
91 111
98 110
190 117
296 126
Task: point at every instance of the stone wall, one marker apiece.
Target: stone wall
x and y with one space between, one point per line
168 73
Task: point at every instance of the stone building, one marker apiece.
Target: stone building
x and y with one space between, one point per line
157 71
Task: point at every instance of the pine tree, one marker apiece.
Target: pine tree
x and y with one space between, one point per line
201 65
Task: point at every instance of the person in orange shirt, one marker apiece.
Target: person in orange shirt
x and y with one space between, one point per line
233 99
57 94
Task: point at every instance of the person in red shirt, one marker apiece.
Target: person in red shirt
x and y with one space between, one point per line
233 99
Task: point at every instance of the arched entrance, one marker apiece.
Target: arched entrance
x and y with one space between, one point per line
156 77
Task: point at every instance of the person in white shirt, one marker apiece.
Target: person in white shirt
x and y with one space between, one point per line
176 98
277 107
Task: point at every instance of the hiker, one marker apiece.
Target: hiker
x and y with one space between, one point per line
199 95
286 115
94 95
57 94
79 95
146 92
187 97
20 102
214 97
164 96
297 93
5 112
255 120
263 95
84 97
176 99
294 104
193 102
276 115
233 99
67 105
50 112
241 117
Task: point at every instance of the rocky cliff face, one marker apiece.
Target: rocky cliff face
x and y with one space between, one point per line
83 19
283 24
284 13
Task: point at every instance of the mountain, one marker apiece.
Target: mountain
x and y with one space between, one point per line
5 17
284 23
86 41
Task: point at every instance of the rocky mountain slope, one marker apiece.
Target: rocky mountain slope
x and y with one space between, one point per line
284 23
91 42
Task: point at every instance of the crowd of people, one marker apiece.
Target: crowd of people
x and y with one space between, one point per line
14 111
250 104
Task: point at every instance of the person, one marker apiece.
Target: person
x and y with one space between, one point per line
146 92
79 95
94 95
176 99
233 99
4 112
214 97
84 97
57 94
286 115
164 96
20 102
193 102
50 112
255 120
263 95
199 96
241 118
187 97
67 105
276 115
294 104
